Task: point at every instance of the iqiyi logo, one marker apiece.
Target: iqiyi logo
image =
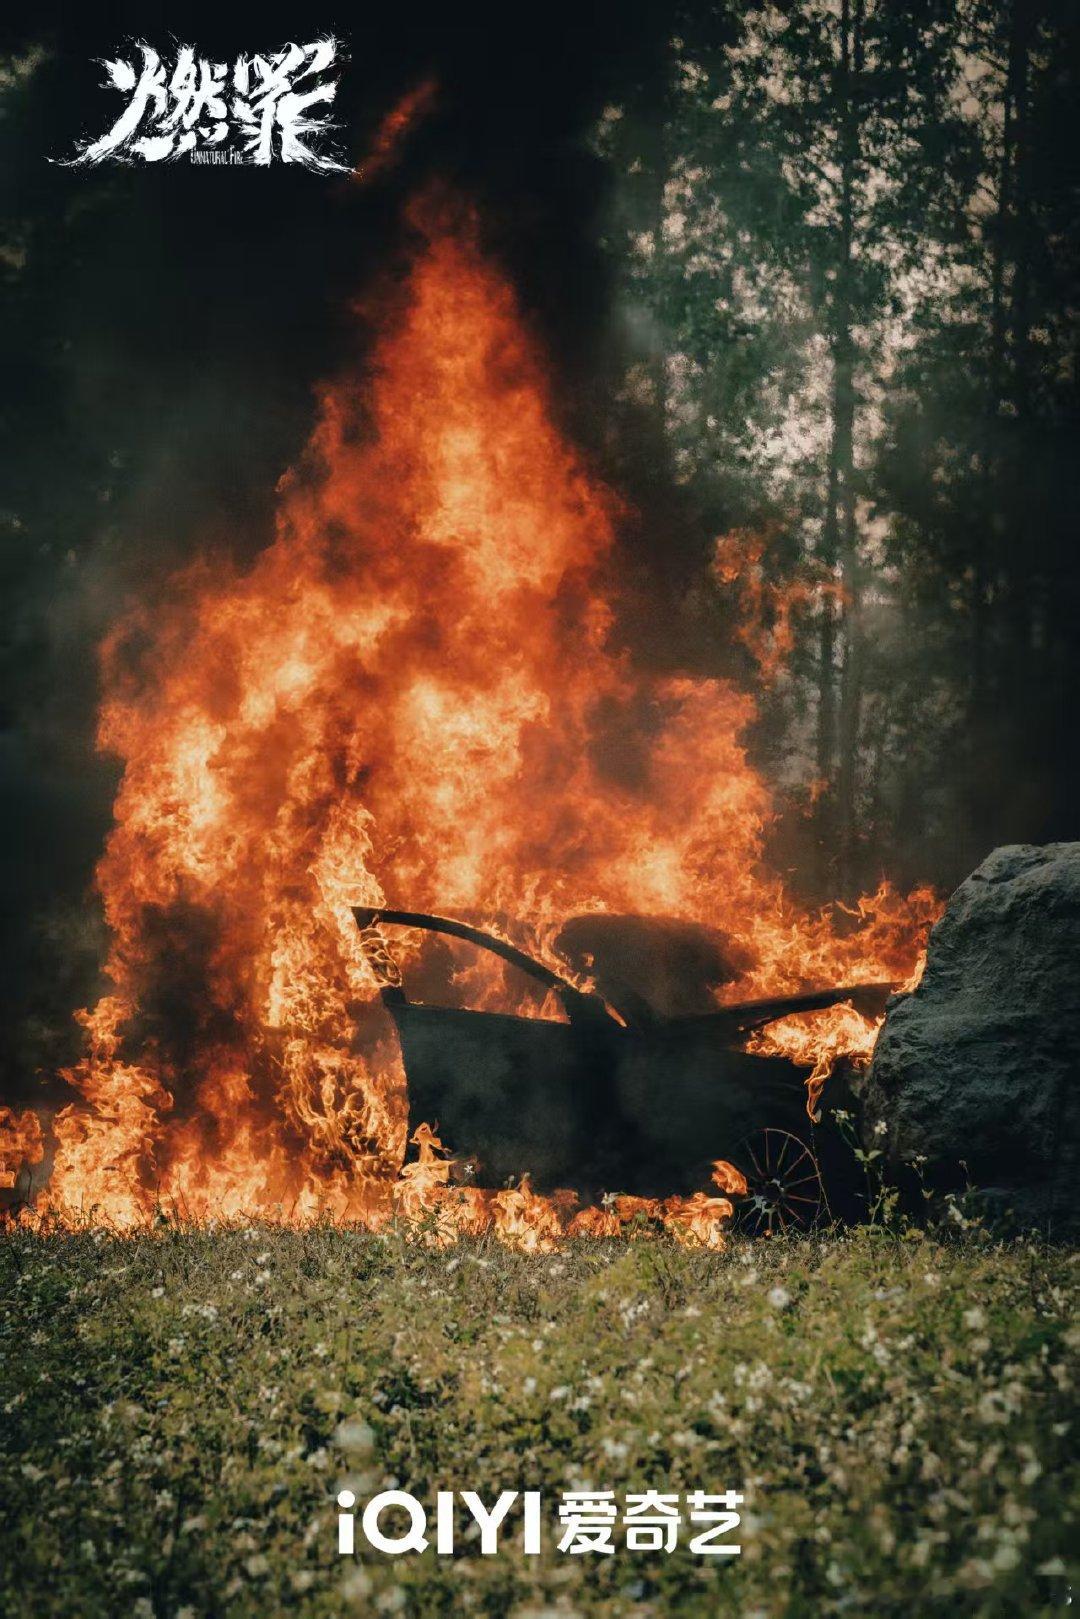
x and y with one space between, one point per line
395 1522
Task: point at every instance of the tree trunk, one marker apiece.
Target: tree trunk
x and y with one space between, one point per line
842 512
1024 542
984 548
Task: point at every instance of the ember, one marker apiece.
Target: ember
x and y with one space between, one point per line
408 694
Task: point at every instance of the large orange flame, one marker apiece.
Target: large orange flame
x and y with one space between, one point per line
410 697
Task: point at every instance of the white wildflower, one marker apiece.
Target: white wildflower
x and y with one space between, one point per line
355 1435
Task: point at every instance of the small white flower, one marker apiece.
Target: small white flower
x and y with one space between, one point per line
779 1298
356 1584
355 1435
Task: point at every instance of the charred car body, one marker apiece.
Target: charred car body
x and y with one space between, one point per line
624 1095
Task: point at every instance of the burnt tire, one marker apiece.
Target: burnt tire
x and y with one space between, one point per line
785 1193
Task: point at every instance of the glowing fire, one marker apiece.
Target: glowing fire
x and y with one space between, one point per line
395 128
411 697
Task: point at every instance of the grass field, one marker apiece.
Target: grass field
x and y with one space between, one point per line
178 1410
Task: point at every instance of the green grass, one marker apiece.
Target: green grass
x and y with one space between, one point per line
178 1410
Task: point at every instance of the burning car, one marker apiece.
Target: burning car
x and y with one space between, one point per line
620 1093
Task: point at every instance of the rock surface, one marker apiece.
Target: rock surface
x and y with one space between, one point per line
981 1064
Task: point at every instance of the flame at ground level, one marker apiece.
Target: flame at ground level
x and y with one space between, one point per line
412 697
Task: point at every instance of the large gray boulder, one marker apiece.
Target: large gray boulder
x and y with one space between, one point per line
981 1064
